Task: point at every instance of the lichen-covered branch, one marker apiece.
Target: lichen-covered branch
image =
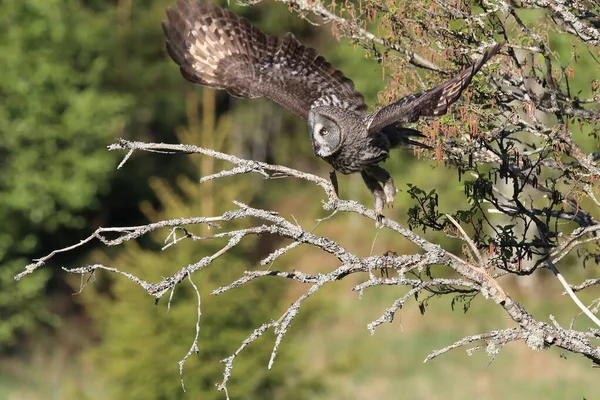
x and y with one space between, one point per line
474 276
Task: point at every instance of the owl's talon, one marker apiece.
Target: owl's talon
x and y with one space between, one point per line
379 204
379 220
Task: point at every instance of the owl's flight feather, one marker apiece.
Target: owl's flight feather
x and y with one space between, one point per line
217 48
430 103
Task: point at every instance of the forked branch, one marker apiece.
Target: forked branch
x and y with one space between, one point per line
471 279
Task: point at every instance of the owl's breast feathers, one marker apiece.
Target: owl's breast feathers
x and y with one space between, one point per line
359 152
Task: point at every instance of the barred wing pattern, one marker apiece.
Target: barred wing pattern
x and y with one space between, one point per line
216 48
430 103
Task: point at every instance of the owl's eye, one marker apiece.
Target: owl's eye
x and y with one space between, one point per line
324 132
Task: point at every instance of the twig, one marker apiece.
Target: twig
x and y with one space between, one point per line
474 248
570 292
585 284
194 349
498 337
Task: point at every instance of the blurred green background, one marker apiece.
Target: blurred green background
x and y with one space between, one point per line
76 75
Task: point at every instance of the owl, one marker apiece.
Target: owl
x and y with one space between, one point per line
216 48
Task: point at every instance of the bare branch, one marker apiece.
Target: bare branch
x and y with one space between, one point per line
570 292
585 284
569 21
473 279
474 248
495 338
194 349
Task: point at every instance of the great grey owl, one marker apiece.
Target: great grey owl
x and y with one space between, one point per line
216 48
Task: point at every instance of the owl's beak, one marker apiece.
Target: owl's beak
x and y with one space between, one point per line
315 147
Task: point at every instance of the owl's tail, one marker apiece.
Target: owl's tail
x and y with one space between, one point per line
206 40
400 136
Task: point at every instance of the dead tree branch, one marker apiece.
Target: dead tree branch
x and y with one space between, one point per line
472 278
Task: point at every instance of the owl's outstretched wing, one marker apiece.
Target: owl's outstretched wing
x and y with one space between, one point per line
430 103
216 48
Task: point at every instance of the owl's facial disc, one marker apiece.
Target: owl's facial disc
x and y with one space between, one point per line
325 136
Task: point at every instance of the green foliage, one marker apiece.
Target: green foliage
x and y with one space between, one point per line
56 118
21 306
425 212
54 111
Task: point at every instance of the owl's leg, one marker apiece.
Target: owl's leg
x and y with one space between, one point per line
375 188
384 177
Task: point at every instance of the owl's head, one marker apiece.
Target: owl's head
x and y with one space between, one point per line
325 134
